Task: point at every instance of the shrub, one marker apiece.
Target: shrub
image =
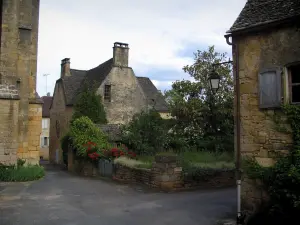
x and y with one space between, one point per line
132 163
20 172
87 137
113 152
66 142
146 133
89 104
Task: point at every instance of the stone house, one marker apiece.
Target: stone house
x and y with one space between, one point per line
123 94
21 107
44 138
266 52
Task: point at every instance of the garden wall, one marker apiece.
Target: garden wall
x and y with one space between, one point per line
165 174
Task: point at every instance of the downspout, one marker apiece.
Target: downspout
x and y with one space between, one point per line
240 219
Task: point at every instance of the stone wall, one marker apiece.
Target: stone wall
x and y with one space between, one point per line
167 175
9 112
210 178
60 116
127 97
32 155
18 66
132 175
259 137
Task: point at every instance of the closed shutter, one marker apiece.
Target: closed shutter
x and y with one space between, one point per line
270 92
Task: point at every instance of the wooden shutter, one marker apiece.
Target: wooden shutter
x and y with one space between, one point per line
270 92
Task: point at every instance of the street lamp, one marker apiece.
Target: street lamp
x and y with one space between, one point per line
214 77
214 80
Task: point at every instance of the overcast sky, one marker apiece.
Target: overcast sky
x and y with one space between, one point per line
162 34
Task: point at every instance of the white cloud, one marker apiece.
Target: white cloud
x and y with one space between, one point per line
156 30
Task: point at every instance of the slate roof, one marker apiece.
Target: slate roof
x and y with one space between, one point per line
152 94
260 12
74 83
46 106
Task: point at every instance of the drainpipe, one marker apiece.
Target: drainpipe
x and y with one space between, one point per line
240 218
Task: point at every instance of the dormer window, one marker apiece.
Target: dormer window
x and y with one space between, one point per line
107 93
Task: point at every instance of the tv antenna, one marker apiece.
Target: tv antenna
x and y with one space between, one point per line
46 75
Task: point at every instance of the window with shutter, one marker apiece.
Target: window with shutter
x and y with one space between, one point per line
270 88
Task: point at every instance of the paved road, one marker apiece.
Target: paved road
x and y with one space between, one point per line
64 199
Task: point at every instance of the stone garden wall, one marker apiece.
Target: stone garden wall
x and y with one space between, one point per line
165 174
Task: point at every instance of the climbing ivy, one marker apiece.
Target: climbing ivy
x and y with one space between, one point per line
282 181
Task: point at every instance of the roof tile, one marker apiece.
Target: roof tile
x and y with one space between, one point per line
258 12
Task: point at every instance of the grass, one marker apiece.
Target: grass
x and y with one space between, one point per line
194 159
21 173
132 163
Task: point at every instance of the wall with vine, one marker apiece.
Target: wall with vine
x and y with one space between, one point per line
281 181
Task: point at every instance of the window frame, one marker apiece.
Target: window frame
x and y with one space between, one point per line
45 138
290 84
107 93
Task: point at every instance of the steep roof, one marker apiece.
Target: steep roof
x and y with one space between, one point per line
46 106
261 12
152 94
74 83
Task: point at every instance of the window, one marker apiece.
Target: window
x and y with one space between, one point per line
107 93
44 123
270 94
45 142
294 83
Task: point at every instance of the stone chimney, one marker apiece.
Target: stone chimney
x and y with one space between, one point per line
65 68
48 94
120 54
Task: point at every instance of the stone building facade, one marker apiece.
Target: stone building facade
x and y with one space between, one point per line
21 107
44 137
123 94
266 52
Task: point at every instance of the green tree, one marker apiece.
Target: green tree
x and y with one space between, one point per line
89 104
146 133
203 117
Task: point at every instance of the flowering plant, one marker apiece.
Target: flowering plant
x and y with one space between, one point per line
117 151
111 152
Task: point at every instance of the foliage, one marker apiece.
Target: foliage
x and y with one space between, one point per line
132 163
89 104
85 133
20 172
146 133
113 152
282 181
65 143
204 119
